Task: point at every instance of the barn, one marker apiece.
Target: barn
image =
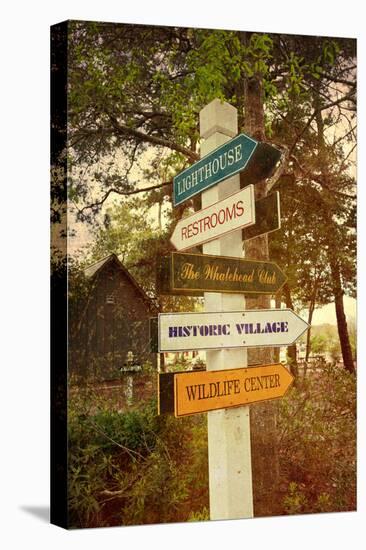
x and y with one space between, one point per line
110 331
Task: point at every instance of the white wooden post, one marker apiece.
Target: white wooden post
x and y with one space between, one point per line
229 454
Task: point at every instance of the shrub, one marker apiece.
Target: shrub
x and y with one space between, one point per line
135 467
317 443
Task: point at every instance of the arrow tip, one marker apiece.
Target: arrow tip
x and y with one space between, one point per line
173 239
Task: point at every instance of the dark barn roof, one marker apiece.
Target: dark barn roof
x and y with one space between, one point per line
94 269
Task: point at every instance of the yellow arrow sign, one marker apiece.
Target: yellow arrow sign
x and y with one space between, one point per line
203 391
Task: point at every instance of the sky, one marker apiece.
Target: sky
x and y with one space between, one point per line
326 314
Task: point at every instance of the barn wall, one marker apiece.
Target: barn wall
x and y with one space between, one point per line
115 322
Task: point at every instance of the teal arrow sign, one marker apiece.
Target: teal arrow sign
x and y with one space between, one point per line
220 164
241 153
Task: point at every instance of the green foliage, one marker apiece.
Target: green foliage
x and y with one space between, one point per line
327 57
325 338
116 235
295 501
135 430
159 89
335 350
134 467
201 515
317 426
124 96
132 235
318 343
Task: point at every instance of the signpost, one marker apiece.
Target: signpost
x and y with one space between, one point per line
267 217
228 430
235 212
225 324
203 391
193 273
231 329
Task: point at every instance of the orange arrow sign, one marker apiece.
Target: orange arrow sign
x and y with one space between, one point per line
202 391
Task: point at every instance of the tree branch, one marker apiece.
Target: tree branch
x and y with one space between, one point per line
339 80
155 140
121 129
316 111
125 193
281 168
320 180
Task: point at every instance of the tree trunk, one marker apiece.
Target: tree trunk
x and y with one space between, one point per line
262 415
291 350
308 336
162 362
159 215
334 266
341 318
278 301
310 318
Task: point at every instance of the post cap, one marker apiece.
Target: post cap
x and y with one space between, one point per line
218 116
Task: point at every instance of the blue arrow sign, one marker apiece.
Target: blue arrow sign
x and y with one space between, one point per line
222 163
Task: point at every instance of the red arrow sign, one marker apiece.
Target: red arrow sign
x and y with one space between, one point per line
235 212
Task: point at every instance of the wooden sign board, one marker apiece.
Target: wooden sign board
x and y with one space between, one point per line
267 217
234 212
232 329
222 163
261 164
166 392
198 392
244 154
164 280
193 274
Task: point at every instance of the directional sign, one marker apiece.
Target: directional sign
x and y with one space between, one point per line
267 217
203 272
166 392
232 329
164 280
234 212
242 152
220 164
197 392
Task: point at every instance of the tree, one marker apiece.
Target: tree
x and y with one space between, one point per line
322 171
327 231
319 344
126 98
